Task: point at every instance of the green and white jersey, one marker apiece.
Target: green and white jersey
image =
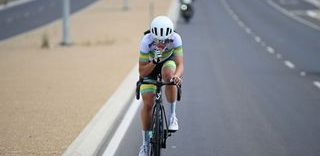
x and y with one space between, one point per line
172 46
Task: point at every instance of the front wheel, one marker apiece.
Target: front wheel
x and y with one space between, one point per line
156 137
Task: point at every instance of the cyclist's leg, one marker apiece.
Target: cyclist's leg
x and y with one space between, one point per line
148 94
168 70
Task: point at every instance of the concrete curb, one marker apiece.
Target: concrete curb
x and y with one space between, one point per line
92 137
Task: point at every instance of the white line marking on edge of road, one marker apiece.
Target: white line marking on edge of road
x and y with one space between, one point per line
317 84
122 129
301 20
289 64
14 3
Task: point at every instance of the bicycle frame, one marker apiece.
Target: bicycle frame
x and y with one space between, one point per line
159 119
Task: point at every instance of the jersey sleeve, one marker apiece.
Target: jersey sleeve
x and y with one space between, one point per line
177 44
144 50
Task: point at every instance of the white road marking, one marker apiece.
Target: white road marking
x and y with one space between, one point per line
248 30
258 39
301 20
317 84
235 17
303 73
241 24
122 129
312 13
14 3
270 50
289 64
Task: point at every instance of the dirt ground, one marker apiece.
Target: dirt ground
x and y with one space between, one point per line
47 96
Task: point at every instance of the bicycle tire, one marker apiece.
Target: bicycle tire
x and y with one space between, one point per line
156 140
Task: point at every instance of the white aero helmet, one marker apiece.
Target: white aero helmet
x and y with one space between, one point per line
161 28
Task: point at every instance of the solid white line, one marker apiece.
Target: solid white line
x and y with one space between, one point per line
122 129
270 50
301 20
289 64
312 13
317 84
314 2
14 3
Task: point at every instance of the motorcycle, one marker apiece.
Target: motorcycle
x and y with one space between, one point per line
186 10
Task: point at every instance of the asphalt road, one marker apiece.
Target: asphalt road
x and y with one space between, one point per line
248 85
33 14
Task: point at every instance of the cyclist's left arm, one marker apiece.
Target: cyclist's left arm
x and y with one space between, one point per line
178 58
178 55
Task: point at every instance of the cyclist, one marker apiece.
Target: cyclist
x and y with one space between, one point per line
160 52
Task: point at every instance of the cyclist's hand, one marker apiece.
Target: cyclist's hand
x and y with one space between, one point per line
177 80
157 56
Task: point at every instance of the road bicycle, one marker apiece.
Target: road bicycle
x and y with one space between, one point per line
159 126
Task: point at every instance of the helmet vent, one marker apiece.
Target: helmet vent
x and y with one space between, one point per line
155 31
167 32
161 32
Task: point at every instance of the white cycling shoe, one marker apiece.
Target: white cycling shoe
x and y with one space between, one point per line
144 150
173 125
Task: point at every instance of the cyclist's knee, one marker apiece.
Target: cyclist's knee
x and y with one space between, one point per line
148 99
167 74
168 70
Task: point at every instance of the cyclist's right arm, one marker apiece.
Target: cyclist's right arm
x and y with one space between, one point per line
145 68
145 65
